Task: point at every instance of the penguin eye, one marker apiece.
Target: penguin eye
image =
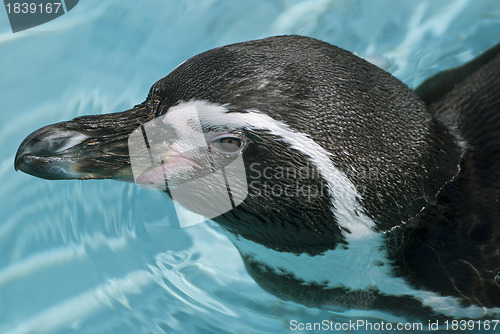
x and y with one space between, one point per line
228 144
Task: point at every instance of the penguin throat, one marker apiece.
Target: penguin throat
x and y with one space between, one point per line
285 230
359 275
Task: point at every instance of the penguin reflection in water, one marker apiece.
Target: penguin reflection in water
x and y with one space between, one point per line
405 216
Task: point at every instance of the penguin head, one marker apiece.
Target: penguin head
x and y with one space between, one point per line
309 122
276 182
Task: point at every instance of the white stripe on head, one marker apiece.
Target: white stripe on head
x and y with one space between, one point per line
344 196
364 265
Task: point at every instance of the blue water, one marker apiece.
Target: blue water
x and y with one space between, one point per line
107 257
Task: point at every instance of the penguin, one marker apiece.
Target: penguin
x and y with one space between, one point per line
358 193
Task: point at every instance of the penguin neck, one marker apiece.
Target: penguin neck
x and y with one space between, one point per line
361 275
285 228
355 259
363 252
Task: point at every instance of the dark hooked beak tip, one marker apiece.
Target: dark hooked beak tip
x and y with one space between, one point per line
50 153
86 147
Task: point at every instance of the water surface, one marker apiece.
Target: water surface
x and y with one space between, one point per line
107 257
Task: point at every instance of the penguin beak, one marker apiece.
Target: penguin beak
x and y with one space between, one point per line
88 147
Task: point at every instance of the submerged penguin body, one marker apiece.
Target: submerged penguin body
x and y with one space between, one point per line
360 195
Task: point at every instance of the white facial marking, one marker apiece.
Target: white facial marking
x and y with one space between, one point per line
364 265
184 119
343 193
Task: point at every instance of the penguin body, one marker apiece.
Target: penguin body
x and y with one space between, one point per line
360 195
